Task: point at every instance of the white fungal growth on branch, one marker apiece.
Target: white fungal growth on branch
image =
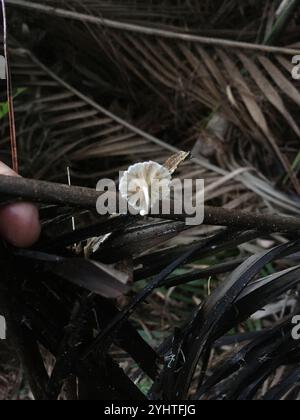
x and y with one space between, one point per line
144 184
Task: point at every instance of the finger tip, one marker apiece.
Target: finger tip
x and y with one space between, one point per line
19 224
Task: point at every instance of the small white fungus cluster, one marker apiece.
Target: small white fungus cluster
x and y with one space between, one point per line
144 184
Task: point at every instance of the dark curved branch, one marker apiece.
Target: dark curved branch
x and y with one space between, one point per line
14 189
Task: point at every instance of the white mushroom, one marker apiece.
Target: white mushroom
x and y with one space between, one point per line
143 184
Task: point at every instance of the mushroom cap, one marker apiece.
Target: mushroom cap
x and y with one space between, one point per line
143 184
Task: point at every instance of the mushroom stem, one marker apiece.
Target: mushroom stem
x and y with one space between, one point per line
147 200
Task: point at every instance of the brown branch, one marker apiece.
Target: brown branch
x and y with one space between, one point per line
19 189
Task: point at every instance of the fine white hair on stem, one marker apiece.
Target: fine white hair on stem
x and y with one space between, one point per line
143 184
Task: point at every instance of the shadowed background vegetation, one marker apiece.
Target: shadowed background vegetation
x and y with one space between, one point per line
129 309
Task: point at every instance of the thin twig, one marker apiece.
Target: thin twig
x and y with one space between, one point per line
17 189
68 14
11 114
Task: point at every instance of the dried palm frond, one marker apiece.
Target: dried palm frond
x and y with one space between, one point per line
70 126
187 15
187 75
76 130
